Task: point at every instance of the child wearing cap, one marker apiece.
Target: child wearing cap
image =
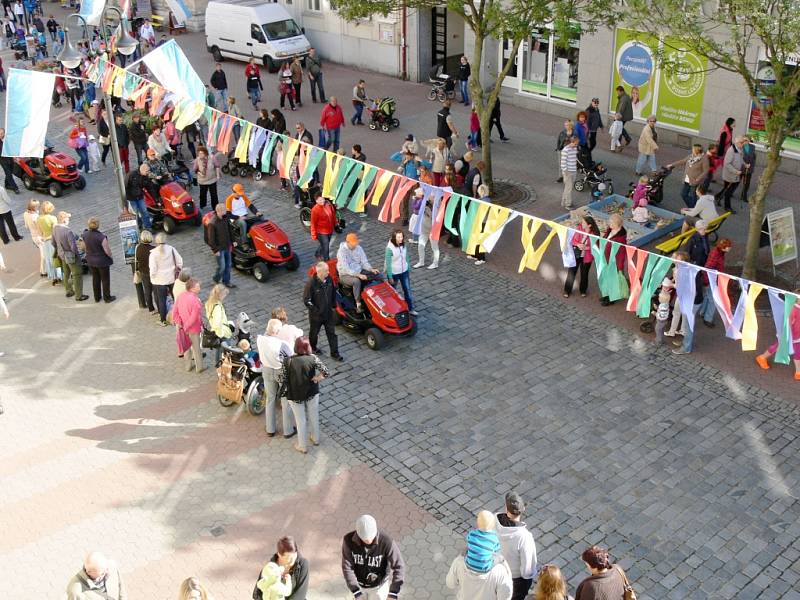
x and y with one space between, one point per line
93 148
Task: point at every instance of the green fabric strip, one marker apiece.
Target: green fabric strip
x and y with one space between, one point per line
366 181
654 272
349 184
312 162
266 156
785 340
450 210
345 164
467 219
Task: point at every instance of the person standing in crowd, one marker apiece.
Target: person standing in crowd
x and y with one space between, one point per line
30 217
278 121
46 223
158 143
582 131
323 224
564 136
732 169
7 218
725 139
396 266
445 126
425 213
319 296
285 86
98 579
517 545
594 121
606 580
551 585
440 155
141 265
648 146
582 247
359 102
79 141
304 371
288 333
616 233
678 318
52 28
66 244
219 239
569 170
7 163
99 259
372 565
134 192
215 313
748 167
264 119
331 121
207 170
273 351
315 75
625 109
695 169
123 142
699 247
220 85
295 565
103 133
165 264
138 135
192 589
252 75
147 34
716 262
464 71
794 346
297 79
187 314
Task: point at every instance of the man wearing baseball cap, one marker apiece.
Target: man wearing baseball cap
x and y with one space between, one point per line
66 244
372 565
517 545
353 266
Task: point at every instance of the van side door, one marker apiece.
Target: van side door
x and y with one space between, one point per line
257 38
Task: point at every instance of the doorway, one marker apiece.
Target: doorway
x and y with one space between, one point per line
447 39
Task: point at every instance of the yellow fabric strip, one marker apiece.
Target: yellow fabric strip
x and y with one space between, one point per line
750 326
380 187
533 255
191 112
496 218
244 143
332 161
289 156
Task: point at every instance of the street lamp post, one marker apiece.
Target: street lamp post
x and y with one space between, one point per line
71 58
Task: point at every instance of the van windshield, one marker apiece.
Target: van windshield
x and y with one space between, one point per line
280 30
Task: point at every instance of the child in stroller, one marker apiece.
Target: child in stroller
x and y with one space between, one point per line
381 113
442 85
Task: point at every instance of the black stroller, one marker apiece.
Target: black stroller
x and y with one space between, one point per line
382 114
655 185
593 175
443 86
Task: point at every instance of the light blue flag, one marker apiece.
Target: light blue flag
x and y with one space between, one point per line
28 96
170 66
180 10
92 10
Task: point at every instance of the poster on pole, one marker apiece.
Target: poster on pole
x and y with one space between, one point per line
129 234
682 86
635 70
782 235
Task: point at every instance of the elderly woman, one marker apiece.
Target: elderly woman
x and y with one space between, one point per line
616 233
732 169
165 264
158 143
288 333
273 352
207 170
187 315
303 373
99 260
606 579
294 564
141 265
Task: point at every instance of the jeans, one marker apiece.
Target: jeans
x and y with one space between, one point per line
255 96
204 190
101 283
83 159
592 140
161 292
646 159
330 333
708 309
140 208
324 250
688 194
73 277
688 338
222 99
464 91
333 138
140 151
223 267
317 84
271 412
359 113
473 138
405 281
306 415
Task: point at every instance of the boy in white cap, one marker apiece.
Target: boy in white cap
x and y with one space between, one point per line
372 565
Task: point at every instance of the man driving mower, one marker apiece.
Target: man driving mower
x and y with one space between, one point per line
242 211
354 268
157 175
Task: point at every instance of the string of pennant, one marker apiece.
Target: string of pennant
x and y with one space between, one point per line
353 184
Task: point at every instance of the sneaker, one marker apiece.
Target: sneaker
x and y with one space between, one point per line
669 334
413 312
434 265
418 265
337 357
479 262
82 298
291 435
362 215
680 351
762 362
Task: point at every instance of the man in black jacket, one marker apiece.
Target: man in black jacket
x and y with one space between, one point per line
372 565
123 141
7 163
445 127
220 84
138 136
219 238
134 192
320 298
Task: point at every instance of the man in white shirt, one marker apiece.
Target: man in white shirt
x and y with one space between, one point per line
353 266
704 210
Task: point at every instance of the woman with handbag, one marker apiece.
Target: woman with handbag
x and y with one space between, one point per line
215 313
285 87
187 315
141 269
46 222
165 265
606 582
303 372
582 247
103 134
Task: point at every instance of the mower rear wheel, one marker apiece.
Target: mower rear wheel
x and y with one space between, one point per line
305 217
255 397
294 263
413 331
261 272
79 183
258 175
224 401
27 181
170 225
55 189
374 338
385 127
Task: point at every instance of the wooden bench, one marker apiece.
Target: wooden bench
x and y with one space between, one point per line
672 244
157 21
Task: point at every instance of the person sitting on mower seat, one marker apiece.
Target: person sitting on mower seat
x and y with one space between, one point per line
354 268
242 211
157 175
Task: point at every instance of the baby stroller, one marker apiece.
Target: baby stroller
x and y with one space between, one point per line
443 86
235 167
594 175
239 380
655 185
382 114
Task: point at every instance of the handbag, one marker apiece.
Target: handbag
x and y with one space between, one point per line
578 254
177 269
323 138
209 339
104 140
137 277
628 592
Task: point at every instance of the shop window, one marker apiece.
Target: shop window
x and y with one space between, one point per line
536 57
565 70
549 69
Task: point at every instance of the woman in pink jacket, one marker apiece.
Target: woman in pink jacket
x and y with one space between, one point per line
187 314
581 246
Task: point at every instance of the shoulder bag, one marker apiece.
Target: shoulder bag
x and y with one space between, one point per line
628 591
177 269
137 277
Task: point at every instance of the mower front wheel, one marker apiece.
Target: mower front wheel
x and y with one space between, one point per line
80 183
55 189
170 225
374 338
255 397
261 272
294 263
413 331
27 181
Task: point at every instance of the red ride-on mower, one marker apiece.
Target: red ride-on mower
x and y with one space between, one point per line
384 310
267 247
54 173
173 207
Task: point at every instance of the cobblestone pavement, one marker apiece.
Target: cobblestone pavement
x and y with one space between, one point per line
688 473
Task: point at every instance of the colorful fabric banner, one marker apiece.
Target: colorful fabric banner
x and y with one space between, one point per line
608 275
170 66
266 155
718 284
567 253
358 200
312 162
654 273
28 96
532 254
781 313
686 286
637 258
750 325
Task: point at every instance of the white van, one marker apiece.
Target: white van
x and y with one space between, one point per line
241 29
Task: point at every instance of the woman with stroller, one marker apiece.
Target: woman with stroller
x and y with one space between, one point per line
252 76
215 313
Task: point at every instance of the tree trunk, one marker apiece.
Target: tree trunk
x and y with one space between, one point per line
757 207
486 132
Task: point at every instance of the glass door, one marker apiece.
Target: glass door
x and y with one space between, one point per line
512 79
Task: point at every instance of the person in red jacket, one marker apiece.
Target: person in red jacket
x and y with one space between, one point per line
323 222
616 233
332 121
716 261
